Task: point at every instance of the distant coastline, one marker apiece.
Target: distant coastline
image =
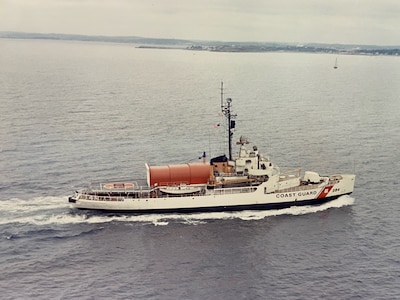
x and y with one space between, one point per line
214 46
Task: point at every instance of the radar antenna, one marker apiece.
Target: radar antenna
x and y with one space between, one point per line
242 141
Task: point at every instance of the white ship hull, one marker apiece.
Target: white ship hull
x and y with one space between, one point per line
223 199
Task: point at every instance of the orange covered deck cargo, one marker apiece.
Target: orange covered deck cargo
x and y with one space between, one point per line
190 173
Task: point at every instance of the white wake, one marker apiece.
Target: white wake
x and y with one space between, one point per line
56 210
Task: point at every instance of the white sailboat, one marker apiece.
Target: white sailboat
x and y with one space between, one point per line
335 66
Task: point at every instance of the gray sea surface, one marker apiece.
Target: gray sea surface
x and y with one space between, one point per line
76 111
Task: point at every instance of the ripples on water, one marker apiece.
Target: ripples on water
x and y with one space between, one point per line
121 250
72 112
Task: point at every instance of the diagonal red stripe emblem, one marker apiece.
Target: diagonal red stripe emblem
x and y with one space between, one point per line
325 192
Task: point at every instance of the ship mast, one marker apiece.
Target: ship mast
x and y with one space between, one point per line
226 110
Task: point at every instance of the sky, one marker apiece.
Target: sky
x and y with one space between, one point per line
368 22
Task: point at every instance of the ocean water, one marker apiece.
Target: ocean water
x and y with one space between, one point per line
74 111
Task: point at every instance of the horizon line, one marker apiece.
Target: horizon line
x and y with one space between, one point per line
189 40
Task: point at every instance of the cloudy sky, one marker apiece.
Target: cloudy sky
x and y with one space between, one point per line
326 21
